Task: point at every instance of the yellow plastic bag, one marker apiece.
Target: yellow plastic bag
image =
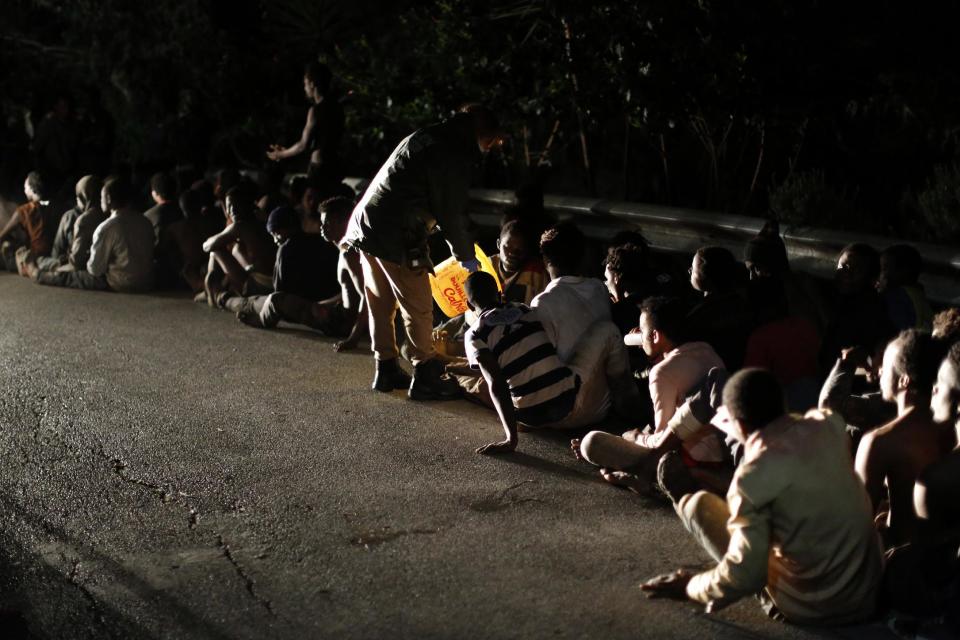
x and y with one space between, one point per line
447 284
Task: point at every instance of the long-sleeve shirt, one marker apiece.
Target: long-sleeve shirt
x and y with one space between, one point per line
671 379
422 185
82 236
123 252
64 236
800 525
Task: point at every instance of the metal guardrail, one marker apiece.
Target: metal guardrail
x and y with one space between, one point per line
674 229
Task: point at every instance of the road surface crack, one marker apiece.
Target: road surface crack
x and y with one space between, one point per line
247 580
503 499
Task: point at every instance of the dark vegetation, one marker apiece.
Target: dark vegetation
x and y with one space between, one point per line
841 114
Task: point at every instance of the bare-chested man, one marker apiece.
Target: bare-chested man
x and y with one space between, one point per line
895 453
243 252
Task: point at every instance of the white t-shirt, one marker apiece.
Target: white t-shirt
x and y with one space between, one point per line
567 308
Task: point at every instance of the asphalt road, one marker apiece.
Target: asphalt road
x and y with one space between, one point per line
170 473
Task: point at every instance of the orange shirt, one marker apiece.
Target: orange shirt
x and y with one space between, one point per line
33 220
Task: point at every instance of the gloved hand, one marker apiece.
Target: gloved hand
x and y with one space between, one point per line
470 265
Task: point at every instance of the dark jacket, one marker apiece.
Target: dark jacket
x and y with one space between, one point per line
422 185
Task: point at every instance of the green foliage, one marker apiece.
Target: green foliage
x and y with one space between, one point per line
806 199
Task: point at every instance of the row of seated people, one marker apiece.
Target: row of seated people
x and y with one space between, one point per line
827 498
714 379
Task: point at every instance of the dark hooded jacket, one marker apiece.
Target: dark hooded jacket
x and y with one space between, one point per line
422 186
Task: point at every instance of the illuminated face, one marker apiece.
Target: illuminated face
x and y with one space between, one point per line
104 200
696 273
612 282
646 336
308 87
332 229
852 274
945 401
228 208
513 251
888 380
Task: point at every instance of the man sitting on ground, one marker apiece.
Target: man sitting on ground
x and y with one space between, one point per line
34 217
242 255
899 285
121 257
679 367
85 225
69 246
528 382
722 318
305 272
163 190
891 457
796 525
570 304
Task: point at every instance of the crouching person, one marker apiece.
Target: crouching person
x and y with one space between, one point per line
528 382
796 527
121 254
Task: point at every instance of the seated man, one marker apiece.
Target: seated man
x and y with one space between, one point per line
34 218
242 255
785 345
899 285
163 190
859 317
522 276
81 238
570 304
121 257
87 194
722 318
919 575
528 382
798 522
679 366
305 272
180 254
629 281
891 457
857 399
518 264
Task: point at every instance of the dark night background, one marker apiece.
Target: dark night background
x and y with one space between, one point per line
838 114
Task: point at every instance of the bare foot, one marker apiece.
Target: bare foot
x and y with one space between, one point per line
626 480
575 447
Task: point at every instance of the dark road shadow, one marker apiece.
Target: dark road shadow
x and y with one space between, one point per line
18 565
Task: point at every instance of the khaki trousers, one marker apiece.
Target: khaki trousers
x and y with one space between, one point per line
388 286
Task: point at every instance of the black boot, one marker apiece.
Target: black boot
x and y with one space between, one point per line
390 376
430 383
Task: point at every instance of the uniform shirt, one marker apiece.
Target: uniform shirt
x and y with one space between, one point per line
423 184
543 389
800 524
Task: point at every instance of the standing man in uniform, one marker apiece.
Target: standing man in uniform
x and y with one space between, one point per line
421 187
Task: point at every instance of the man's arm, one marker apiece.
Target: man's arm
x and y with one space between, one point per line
82 241
276 152
449 194
99 252
870 468
502 402
663 395
11 224
222 240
